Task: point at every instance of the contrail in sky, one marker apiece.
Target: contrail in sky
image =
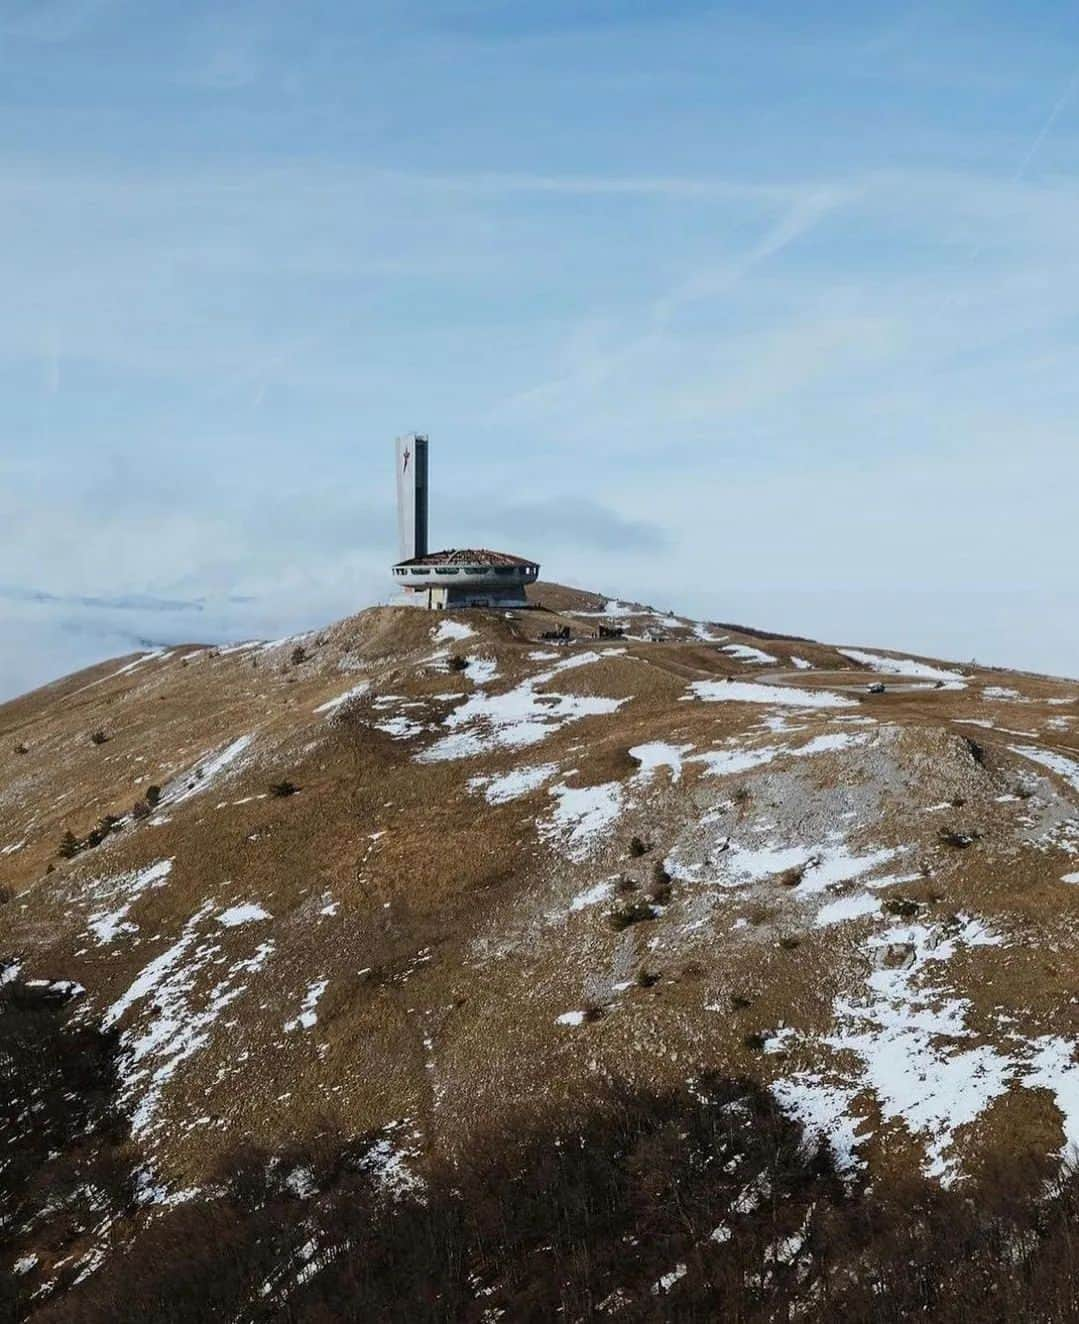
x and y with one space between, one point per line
1054 114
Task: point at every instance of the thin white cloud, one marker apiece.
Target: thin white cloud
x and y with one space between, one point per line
648 341
804 214
1047 125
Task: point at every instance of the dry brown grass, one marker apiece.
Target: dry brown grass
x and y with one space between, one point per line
417 863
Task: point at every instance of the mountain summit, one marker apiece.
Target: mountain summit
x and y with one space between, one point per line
423 879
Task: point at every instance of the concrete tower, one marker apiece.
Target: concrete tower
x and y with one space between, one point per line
457 577
412 496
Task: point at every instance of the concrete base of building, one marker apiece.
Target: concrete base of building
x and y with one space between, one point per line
439 599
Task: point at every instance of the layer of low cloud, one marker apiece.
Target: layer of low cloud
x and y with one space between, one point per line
241 568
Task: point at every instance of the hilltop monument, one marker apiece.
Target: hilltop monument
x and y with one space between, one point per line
456 577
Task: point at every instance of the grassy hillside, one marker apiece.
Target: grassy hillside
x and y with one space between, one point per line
401 904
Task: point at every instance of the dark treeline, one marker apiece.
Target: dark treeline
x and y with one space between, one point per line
699 1205
65 1159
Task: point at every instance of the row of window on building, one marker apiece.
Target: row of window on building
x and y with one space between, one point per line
467 570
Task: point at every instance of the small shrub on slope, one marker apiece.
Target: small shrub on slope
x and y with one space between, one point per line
634 913
105 828
69 846
957 840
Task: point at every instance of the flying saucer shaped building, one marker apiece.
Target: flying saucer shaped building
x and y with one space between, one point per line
472 577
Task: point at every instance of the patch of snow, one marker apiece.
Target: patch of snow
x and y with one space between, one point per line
172 1024
124 670
240 648
512 785
897 1033
150 1190
910 1040
800 664
613 608
1000 692
481 670
668 1280
400 728
787 1249
191 783
332 705
301 1182
1053 1067
832 742
744 653
823 1109
592 896
449 631
390 1166
108 925
847 907
247 913
520 717
582 814
285 639
751 1196
824 865
1049 758
779 1040
902 666
834 863
139 661
778 723
658 754
575 660
725 762
738 691
1070 878
307 1016
570 1018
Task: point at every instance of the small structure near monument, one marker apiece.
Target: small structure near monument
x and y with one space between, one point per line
472 577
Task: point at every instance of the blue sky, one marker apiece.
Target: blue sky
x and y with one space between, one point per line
765 313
